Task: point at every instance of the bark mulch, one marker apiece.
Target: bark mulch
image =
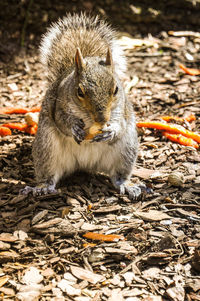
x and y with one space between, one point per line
45 253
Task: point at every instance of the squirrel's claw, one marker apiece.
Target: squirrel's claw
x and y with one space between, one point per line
105 136
78 131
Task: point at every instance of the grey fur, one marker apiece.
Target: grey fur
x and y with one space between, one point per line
59 148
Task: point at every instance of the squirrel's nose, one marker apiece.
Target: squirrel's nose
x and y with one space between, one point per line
101 119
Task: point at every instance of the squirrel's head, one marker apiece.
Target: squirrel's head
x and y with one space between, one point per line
96 85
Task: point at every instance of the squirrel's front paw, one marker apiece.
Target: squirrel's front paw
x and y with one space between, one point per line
78 131
104 136
108 134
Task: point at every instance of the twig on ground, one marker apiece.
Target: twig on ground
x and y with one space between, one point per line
184 33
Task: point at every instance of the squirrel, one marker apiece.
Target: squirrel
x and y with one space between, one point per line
85 66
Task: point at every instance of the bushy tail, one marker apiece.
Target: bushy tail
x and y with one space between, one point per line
92 35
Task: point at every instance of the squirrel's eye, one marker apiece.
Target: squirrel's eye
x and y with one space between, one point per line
80 93
116 90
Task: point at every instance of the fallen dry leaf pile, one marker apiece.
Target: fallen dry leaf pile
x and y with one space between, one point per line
45 251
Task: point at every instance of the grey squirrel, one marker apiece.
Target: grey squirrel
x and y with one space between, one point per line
86 122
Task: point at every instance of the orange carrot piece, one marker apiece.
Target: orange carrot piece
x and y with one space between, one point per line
4 131
171 128
190 71
103 237
16 126
179 119
18 110
181 139
172 118
89 207
13 111
86 245
190 118
31 129
35 109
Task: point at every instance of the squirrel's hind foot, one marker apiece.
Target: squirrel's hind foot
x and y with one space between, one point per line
39 190
134 191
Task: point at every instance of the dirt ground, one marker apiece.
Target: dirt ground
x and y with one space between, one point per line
44 254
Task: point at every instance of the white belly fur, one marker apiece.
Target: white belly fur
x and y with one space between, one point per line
68 156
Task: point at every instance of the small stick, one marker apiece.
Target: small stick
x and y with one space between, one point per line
144 54
184 34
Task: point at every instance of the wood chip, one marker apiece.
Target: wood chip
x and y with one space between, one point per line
86 275
152 215
32 276
176 293
3 280
7 237
116 294
68 289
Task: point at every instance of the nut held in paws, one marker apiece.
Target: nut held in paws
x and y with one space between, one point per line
94 130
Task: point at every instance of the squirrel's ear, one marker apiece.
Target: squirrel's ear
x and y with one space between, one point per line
79 61
109 61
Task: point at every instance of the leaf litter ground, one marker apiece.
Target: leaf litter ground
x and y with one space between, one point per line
44 252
